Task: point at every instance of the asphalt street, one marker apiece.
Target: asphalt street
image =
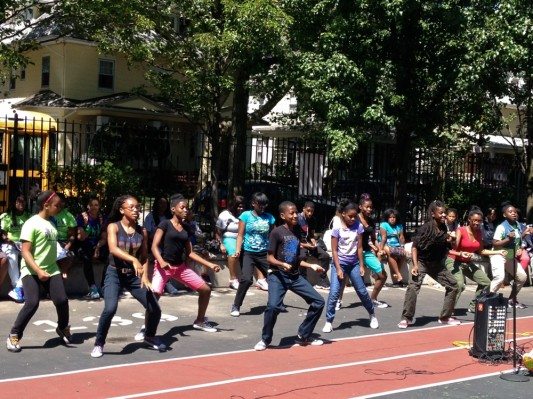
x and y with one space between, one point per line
44 353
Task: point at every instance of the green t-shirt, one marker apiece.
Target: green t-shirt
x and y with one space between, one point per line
499 234
64 221
13 226
43 237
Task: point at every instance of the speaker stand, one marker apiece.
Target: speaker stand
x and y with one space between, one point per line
515 375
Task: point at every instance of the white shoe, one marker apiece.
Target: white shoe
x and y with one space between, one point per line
262 284
140 335
380 304
235 311
234 284
450 321
98 351
328 327
374 322
338 305
260 346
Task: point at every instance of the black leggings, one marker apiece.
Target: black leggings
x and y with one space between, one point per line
86 253
250 260
55 287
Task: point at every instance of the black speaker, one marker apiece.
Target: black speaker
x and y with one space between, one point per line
489 326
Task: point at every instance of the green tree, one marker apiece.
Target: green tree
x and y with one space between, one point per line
203 56
394 67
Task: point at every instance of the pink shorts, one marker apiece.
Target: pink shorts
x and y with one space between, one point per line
181 273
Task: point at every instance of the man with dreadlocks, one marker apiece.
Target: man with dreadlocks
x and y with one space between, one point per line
430 248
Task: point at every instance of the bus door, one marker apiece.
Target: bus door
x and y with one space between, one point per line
25 148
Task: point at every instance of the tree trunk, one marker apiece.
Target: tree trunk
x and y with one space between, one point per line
237 153
401 168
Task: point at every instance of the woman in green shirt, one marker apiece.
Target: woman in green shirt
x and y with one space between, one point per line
39 269
11 222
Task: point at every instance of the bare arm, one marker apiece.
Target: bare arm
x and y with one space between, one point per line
198 259
335 256
240 238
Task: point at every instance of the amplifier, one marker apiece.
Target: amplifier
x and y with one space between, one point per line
489 325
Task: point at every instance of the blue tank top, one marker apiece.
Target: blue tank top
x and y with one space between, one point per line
128 243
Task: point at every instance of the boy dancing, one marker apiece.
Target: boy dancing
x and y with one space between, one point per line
284 259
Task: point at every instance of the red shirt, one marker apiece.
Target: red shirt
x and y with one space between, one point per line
466 244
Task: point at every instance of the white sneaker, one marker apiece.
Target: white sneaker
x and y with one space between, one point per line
260 346
262 284
374 322
98 351
308 341
235 311
328 327
338 305
234 284
380 304
450 321
140 335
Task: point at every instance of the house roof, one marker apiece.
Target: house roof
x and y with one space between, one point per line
130 101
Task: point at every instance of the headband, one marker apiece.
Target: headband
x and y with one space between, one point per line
49 197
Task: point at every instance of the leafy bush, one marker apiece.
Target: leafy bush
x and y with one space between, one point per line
106 180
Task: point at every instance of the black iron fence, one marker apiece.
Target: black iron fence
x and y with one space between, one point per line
114 158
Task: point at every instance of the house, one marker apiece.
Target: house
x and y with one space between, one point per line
85 94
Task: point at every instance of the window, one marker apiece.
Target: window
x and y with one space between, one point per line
23 74
12 82
45 72
106 74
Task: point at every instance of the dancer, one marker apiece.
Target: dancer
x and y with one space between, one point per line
174 237
226 234
309 245
160 211
392 240
254 227
285 260
430 247
371 252
127 269
347 250
508 236
468 245
39 269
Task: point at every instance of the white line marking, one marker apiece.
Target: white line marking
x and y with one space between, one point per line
286 373
149 362
282 374
436 384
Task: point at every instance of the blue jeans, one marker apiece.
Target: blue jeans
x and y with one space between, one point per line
114 281
352 271
278 284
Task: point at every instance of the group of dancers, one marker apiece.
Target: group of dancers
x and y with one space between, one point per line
281 253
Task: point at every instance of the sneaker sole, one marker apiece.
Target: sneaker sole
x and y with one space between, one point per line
211 330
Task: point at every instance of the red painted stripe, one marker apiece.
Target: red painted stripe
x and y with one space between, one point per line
132 379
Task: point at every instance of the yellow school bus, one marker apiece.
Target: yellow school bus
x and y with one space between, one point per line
25 139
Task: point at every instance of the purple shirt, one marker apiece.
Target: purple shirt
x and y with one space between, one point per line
347 242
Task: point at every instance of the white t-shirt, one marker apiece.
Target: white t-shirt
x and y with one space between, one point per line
227 224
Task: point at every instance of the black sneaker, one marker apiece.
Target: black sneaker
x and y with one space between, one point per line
65 335
155 343
308 341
